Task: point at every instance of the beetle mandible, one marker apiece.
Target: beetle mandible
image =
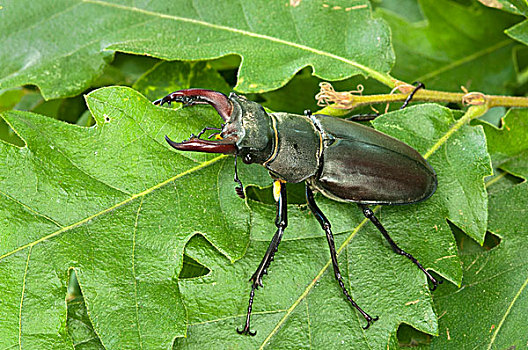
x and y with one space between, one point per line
343 160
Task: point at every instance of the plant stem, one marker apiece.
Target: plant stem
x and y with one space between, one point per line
344 102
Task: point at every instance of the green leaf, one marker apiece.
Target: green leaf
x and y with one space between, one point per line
80 327
508 145
519 32
47 47
518 7
453 48
302 305
167 77
114 203
408 9
117 205
488 311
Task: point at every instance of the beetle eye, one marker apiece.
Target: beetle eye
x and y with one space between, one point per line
248 159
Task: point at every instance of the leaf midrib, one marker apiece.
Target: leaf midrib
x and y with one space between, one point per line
118 205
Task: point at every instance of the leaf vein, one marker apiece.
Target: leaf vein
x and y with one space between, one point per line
507 313
118 205
30 209
134 273
382 77
464 60
22 300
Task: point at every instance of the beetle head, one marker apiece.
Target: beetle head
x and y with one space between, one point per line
247 131
252 127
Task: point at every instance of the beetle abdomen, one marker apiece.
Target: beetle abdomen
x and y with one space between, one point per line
365 166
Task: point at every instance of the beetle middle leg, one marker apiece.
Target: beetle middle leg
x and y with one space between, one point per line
281 221
325 224
369 214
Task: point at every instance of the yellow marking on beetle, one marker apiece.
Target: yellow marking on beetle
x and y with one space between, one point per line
277 185
276 145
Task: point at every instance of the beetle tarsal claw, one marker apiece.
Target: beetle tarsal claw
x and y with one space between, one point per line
246 331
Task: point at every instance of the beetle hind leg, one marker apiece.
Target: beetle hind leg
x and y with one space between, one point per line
325 224
281 222
369 214
419 85
372 116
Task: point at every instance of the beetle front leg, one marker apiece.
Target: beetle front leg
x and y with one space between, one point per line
325 224
419 85
191 97
369 214
281 222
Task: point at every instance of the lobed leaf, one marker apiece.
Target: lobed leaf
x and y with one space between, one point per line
115 204
452 48
488 311
338 41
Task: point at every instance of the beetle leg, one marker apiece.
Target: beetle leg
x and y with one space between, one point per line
207 128
363 117
191 97
372 116
240 188
369 214
281 222
419 85
325 224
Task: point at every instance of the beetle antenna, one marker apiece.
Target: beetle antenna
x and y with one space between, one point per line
240 188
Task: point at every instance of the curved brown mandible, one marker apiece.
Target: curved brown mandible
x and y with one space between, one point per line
191 97
208 146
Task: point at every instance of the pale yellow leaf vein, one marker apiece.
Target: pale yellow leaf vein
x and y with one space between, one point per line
134 272
107 210
384 78
22 300
492 340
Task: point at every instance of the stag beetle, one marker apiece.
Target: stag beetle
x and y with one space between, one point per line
343 160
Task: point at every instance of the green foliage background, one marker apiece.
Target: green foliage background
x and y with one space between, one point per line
110 239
